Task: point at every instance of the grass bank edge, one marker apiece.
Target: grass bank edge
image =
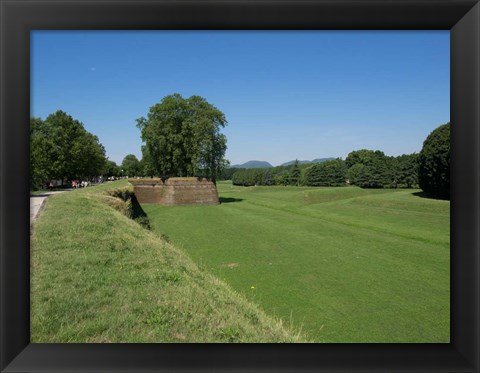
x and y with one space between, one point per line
98 276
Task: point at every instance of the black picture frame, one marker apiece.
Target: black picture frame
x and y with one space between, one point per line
19 17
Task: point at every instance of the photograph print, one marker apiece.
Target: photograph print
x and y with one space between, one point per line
240 187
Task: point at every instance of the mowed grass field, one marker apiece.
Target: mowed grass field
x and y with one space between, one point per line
343 264
98 276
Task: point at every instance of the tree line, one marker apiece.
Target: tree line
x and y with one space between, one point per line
364 168
61 149
182 138
429 169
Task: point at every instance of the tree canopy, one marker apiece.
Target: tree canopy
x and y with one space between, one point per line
182 137
370 169
295 173
62 149
131 166
434 163
330 173
112 169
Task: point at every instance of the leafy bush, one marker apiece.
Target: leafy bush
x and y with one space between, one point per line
252 176
369 169
434 163
330 173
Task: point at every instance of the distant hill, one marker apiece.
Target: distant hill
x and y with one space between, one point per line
292 162
316 160
320 160
253 164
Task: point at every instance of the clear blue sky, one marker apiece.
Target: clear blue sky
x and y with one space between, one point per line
286 95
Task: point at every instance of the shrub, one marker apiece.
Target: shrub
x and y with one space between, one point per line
434 163
330 173
370 169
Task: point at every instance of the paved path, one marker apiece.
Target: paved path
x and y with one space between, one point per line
37 201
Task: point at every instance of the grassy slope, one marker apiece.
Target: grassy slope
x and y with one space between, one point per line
97 276
346 264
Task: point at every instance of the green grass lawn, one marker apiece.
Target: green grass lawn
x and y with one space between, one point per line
98 276
344 264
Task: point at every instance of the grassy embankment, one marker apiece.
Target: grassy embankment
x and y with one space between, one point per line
345 264
98 276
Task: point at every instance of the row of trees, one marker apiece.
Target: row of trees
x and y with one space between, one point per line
280 175
61 149
429 170
373 169
364 168
182 138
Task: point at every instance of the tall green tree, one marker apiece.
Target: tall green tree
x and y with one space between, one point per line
406 170
182 137
131 166
61 149
362 156
146 163
295 174
434 163
43 154
375 170
112 169
330 173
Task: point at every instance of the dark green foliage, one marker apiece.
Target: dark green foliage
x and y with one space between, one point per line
362 156
373 169
406 171
239 177
112 169
62 149
252 176
227 173
268 177
370 169
43 153
434 163
279 175
364 168
285 179
146 164
131 166
330 173
294 176
354 173
182 137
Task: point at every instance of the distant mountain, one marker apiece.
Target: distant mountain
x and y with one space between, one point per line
316 160
252 164
320 160
292 162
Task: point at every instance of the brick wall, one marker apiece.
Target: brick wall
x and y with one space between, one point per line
176 191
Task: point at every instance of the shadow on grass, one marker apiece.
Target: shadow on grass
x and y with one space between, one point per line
229 200
429 196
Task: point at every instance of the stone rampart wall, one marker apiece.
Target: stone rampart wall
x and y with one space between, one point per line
176 191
